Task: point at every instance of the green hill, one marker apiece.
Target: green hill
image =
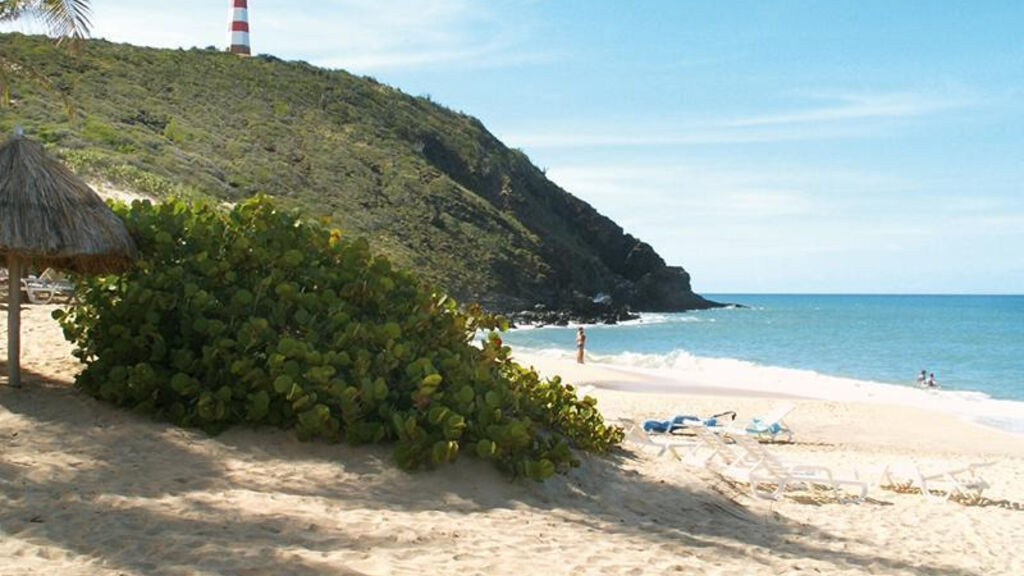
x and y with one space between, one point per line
430 187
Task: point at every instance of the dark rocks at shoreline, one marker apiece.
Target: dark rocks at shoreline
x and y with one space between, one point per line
586 311
667 290
541 316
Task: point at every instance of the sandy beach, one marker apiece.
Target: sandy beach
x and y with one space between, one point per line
88 489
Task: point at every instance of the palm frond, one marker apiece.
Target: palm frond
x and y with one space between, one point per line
66 18
13 9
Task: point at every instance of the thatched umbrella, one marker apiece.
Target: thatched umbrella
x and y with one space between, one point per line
50 217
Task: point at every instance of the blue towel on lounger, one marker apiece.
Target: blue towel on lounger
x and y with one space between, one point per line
686 420
758 427
677 422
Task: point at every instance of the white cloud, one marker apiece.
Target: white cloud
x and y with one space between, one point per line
146 26
683 135
664 191
849 116
766 226
857 107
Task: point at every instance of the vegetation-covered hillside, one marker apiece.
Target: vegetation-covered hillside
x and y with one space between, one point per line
430 187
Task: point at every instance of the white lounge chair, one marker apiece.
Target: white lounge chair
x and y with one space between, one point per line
635 433
44 291
768 426
38 292
770 477
961 481
722 454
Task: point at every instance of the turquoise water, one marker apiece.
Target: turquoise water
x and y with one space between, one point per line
971 343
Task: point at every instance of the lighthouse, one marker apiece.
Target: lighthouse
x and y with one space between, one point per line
239 28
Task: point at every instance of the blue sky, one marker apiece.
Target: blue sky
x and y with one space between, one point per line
783 146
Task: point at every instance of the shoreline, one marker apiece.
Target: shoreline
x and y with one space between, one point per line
732 377
845 336
869 419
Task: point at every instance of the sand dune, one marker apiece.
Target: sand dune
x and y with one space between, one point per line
87 489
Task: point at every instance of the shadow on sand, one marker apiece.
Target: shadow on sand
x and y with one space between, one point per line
109 480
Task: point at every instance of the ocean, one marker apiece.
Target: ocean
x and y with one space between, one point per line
973 344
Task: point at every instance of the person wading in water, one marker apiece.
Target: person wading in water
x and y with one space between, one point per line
581 341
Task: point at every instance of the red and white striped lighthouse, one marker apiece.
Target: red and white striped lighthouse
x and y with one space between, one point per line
239 28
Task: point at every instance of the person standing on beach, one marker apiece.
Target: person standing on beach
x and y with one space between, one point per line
581 341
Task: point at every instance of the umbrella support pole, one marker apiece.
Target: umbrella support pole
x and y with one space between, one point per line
14 321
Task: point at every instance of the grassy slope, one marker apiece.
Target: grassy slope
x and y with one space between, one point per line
429 186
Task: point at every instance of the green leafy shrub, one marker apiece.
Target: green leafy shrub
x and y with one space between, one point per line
254 316
174 131
103 133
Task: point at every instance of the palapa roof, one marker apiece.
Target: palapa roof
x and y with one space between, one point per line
52 217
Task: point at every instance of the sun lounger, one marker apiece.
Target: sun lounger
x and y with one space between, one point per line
768 426
723 454
686 422
770 477
40 291
635 434
963 482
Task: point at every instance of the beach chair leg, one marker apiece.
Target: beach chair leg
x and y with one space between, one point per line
40 296
768 494
927 492
672 451
886 480
686 452
855 498
954 487
969 490
834 486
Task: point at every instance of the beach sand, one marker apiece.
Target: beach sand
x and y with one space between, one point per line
89 489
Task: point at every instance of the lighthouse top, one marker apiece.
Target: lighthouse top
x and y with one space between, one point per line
239 28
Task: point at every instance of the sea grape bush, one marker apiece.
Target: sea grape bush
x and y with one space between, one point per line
255 316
